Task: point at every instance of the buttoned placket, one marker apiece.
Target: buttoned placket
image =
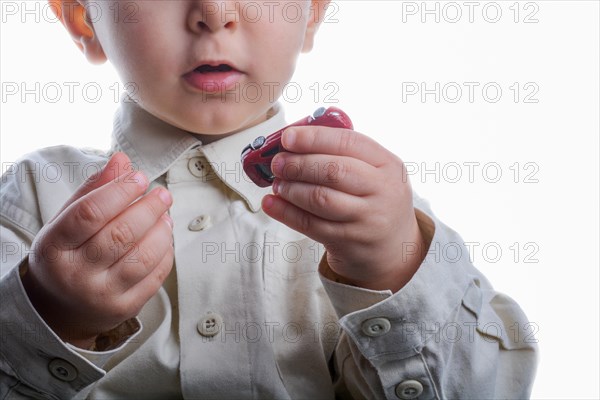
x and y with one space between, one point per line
208 280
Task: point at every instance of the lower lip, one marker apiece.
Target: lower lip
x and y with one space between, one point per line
213 82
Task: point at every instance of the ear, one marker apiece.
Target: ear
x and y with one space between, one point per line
72 14
318 8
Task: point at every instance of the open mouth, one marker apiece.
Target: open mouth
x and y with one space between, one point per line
214 76
207 69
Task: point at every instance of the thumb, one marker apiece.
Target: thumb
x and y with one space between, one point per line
118 165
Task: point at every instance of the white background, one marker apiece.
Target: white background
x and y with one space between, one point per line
369 51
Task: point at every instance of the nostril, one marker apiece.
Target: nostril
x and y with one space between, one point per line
202 26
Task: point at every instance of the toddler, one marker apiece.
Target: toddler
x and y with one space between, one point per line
169 274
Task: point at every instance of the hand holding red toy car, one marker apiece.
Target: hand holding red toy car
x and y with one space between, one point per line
346 191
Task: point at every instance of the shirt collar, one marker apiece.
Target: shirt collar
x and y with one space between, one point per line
153 146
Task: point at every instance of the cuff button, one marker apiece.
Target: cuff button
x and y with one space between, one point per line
409 389
62 370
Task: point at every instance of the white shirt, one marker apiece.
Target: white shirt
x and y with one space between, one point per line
245 312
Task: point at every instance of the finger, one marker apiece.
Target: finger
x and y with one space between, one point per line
143 257
322 201
334 141
342 173
116 166
90 213
139 294
300 220
128 228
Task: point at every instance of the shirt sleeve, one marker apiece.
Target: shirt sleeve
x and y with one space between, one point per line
34 361
445 334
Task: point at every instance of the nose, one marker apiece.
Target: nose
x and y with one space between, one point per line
212 16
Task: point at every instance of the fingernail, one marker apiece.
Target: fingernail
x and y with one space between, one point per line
140 179
267 201
165 196
288 138
168 220
277 164
276 186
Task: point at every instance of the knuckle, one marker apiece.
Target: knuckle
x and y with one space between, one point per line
122 235
292 168
124 189
363 207
319 197
304 222
382 224
122 310
347 141
152 206
339 172
163 270
315 137
102 294
354 233
88 212
396 172
156 279
355 236
398 164
155 282
346 233
112 285
46 248
148 258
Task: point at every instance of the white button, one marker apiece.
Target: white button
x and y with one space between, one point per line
200 223
409 389
376 327
198 167
63 370
210 324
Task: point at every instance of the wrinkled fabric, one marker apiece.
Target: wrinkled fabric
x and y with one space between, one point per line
286 331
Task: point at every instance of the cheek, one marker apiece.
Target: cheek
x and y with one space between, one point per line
279 49
148 69
140 48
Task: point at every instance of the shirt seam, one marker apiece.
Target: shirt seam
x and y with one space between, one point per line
429 375
15 222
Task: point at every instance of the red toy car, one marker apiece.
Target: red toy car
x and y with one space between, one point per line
257 156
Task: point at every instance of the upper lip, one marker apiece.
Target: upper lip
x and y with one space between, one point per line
214 63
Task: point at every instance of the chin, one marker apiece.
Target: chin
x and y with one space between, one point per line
214 124
214 118
222 119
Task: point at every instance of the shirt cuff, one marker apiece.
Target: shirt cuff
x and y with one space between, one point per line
34 354
347 299
110 343
388 326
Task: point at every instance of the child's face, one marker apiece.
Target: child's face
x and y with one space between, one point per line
156 45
